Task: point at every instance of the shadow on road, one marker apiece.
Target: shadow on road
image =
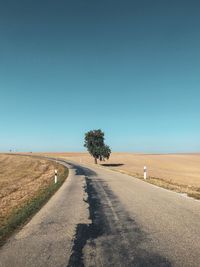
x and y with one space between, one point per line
112 164
112 238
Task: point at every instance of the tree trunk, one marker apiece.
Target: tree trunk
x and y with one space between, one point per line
95 160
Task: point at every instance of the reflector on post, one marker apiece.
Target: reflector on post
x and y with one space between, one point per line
145 172
56 176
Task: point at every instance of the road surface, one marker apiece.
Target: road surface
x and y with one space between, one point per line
103 218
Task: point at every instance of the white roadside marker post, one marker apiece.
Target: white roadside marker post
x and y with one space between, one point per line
56 176
145 172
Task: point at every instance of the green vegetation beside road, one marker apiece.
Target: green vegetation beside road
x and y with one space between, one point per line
24 213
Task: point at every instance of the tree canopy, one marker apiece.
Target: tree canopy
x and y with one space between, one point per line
94 142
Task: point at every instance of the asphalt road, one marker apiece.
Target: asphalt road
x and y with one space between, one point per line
104 218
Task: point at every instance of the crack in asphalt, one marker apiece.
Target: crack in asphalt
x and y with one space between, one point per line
85 232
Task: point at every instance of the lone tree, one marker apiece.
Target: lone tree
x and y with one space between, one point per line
94 142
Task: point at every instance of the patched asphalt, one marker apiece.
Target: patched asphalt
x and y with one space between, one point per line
103 218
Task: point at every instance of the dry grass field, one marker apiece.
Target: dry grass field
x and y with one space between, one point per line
180 172
21 178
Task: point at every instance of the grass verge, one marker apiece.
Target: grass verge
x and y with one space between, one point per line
22 215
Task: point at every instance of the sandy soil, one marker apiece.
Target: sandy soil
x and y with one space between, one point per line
21 178
182 169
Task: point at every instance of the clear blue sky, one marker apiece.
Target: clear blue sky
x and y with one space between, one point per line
131 68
